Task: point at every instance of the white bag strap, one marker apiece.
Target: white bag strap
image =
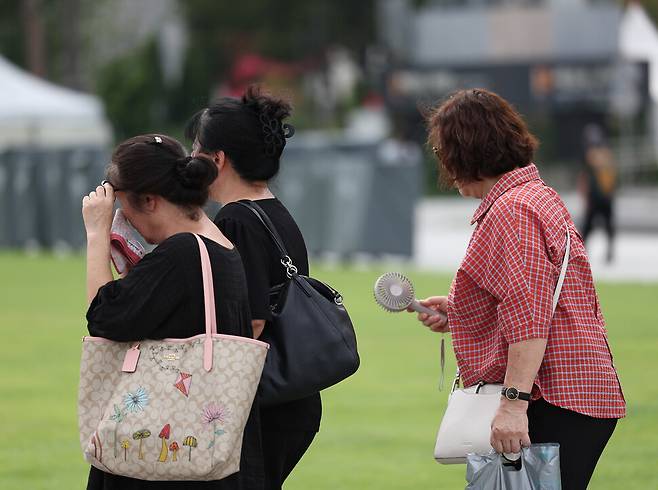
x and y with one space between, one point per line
556 293
563 271
209 303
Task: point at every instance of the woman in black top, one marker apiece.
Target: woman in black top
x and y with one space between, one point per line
161 192
245 138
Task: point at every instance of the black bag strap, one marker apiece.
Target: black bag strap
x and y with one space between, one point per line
286 261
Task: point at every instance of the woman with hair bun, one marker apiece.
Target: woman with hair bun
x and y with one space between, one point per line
245 139
161 191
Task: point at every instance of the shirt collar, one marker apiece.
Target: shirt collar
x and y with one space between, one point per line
509 180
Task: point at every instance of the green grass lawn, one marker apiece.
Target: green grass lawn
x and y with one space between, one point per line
378 427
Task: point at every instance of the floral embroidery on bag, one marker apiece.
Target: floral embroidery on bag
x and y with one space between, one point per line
213 414
164 435
136 401
133 402
191 442
118 418
140 435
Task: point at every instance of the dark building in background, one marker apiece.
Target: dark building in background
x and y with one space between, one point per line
558 61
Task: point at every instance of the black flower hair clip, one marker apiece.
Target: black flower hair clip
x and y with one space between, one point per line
274 135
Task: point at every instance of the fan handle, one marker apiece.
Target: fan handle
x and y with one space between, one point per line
417 307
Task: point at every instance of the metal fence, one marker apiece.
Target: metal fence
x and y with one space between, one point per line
347 197
41 194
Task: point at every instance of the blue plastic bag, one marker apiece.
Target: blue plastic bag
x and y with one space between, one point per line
537 469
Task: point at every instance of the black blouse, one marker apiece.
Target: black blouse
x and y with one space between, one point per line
263 268
162 297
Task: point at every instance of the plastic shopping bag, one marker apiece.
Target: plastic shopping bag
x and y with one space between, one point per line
537 469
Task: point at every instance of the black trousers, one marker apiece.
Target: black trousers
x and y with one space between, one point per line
581 438
603 210
282 450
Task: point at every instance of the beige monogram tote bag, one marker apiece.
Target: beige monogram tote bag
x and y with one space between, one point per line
172 409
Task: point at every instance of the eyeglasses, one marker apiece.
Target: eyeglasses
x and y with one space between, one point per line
114 188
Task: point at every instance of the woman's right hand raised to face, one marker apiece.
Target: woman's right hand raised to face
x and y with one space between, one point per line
436 323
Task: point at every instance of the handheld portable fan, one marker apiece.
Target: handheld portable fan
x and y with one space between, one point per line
394 292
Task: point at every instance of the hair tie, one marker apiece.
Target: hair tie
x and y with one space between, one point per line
182 162
180 170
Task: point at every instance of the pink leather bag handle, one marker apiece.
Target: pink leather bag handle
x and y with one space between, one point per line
209 303
132 355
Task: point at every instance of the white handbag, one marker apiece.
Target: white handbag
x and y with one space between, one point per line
140 404
466 424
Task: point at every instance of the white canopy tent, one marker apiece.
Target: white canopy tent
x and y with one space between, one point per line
638 41
34 112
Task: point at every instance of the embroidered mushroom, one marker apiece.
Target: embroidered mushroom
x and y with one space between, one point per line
140 435
173 447
125 445
164 435
191 442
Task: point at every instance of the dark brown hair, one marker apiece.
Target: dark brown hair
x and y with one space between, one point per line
157 164
477 134
249 130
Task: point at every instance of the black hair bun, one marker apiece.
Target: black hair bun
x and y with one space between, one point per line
250 131
271 113
195 172
271 107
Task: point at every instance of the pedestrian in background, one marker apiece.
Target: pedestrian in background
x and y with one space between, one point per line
597 184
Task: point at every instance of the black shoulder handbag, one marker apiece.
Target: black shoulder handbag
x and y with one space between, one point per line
311 337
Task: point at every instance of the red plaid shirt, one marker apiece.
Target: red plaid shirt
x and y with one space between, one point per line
502 294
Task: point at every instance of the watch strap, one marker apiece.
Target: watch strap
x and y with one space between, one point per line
507 392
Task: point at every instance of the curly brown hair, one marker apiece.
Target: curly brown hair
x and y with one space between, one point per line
476 134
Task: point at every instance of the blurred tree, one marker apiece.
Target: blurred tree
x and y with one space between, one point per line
52 38
290 30
34 39
44 36
11 31
131 87
69 20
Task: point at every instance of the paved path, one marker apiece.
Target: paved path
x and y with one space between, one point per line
443 231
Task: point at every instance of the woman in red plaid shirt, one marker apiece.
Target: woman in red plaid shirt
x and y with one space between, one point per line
499 309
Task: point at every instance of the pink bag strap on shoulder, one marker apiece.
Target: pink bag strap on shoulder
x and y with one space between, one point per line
209 303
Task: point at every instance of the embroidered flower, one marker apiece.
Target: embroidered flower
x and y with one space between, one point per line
215 413
136 401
